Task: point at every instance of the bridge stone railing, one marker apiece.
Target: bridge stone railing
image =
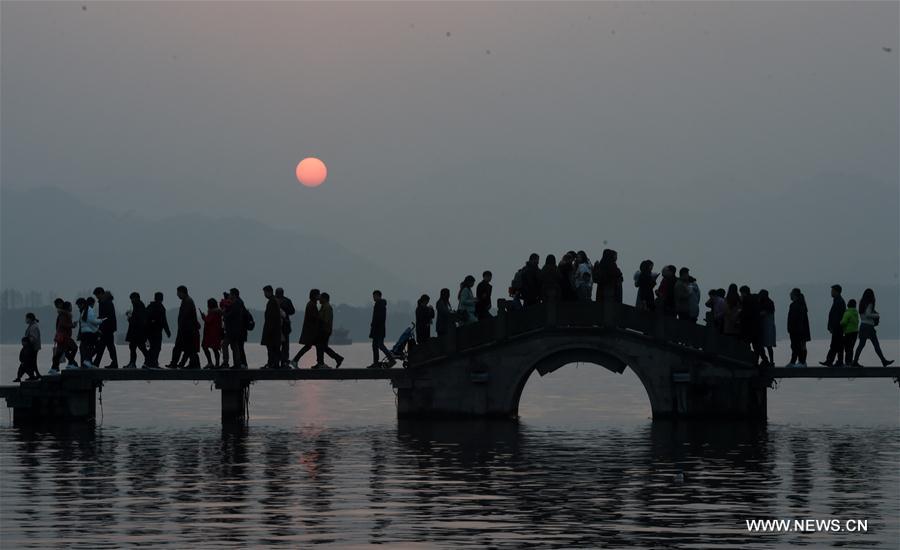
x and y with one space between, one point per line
509 324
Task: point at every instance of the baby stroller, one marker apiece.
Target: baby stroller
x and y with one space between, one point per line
401 348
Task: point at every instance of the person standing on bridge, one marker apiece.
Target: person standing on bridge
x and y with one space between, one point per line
31 344
645 282
326 326
665 294
715 317
157 323
212 333
609 278
750 325
186 353
377 328
287 309
108 327
137 331
550 282
424 316
566 279
767 327
868 320
531 281
65 346
312 324
687 296
444 319
850 328
731 322
835 314
483 296
798 328
271 332
584 283
88 325
224 304
466 301
237 321
28 362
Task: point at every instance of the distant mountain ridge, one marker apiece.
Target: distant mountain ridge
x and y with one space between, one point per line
51 240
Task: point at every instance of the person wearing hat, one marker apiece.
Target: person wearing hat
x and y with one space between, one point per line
836 349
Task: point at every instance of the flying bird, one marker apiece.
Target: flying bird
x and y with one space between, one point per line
885 48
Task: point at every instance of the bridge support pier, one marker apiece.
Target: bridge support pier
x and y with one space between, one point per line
235 399
681 382
52 399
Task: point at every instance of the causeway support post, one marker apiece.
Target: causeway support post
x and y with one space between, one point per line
53 399
235 399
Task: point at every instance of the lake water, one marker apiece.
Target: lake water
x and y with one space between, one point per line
328 463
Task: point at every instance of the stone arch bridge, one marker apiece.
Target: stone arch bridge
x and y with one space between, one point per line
688 370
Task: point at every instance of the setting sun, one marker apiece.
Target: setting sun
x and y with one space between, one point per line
311 172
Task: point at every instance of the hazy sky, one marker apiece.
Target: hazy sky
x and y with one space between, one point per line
752 141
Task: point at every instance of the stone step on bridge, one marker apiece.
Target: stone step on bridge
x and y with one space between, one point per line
688 370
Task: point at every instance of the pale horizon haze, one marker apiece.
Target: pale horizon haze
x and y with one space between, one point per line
752 141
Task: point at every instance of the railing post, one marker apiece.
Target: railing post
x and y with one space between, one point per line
608 312
500 328
552 312
659 325
234 399
711 340
450 340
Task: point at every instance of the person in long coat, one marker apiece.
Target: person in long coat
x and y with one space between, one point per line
106 311
186 352
645 282
157 323
608 277
309 333
287 309
271 333
835 314
798 328
326 324
531 280
750 325
551 287
444 320
424 317
377 329
137 331
236 318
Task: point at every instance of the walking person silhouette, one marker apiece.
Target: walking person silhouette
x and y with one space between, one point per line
309 333
377 330
868 320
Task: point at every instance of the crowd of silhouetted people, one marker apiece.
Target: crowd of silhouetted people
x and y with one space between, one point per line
737 312
221 330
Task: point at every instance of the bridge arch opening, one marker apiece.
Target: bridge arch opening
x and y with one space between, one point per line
582 391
